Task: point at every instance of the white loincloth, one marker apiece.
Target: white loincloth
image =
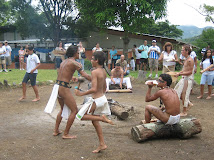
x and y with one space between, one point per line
102 107
51 105
173 120
180 86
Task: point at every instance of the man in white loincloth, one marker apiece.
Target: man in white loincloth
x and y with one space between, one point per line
117 77
184 86
63 92
171 113
97 107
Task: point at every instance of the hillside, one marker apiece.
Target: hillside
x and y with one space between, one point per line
190 31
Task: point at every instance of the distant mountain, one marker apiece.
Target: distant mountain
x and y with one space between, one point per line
190 31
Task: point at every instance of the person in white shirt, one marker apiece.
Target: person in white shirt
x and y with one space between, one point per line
169 58
137 55
2 57
97 48
33 63
8 54
207 76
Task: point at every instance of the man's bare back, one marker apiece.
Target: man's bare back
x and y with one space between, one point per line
170 100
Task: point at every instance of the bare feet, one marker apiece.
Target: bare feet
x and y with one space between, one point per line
208 97
105 119
190 105
199 97
183 114
68 136
103 147
36 99
57 133
20 99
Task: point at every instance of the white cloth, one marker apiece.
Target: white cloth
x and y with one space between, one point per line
2 50
102 107
8 50
95 49
126 80
32 61
51 105
52 100
137 54
167 57
173 120
132 63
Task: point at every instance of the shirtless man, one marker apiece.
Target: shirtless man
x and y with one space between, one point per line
65 74
117 78
97 106
184 86
171 114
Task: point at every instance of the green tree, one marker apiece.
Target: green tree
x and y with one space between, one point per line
57 13
208 12
27 20
165 29
131 15
206 38
4 12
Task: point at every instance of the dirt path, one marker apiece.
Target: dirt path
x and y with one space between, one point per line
26 131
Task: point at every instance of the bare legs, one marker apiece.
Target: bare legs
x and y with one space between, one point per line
202 91
158 113
24 88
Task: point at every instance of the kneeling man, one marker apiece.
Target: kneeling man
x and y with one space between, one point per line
117 78
168 96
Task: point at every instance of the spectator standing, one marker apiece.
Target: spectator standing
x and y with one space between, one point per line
123 65
113 55
97 48
8 54
207 76
81 60
132 64
33 63
21 58
61 55
16 60
143 49
2 57
154 52
169 58
138 56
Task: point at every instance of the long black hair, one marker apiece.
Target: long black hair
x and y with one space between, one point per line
205 56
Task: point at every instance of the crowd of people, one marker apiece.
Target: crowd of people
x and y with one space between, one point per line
96 108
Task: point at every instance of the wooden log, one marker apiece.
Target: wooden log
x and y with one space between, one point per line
206 69
119 91
119 112
186 128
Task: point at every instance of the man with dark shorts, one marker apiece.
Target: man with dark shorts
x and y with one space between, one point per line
62 90
33 63
143 49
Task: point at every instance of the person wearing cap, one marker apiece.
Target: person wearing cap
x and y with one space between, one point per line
8 54
154 52
2 57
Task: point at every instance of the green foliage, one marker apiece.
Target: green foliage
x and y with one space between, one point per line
165 29
4 12
87 65
209 13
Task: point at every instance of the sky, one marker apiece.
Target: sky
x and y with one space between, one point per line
179 12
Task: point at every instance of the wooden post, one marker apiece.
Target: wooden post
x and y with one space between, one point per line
186 128
142 76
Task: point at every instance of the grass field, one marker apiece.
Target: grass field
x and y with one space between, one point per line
44 75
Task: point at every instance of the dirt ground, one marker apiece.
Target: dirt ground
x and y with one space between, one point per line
26 131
